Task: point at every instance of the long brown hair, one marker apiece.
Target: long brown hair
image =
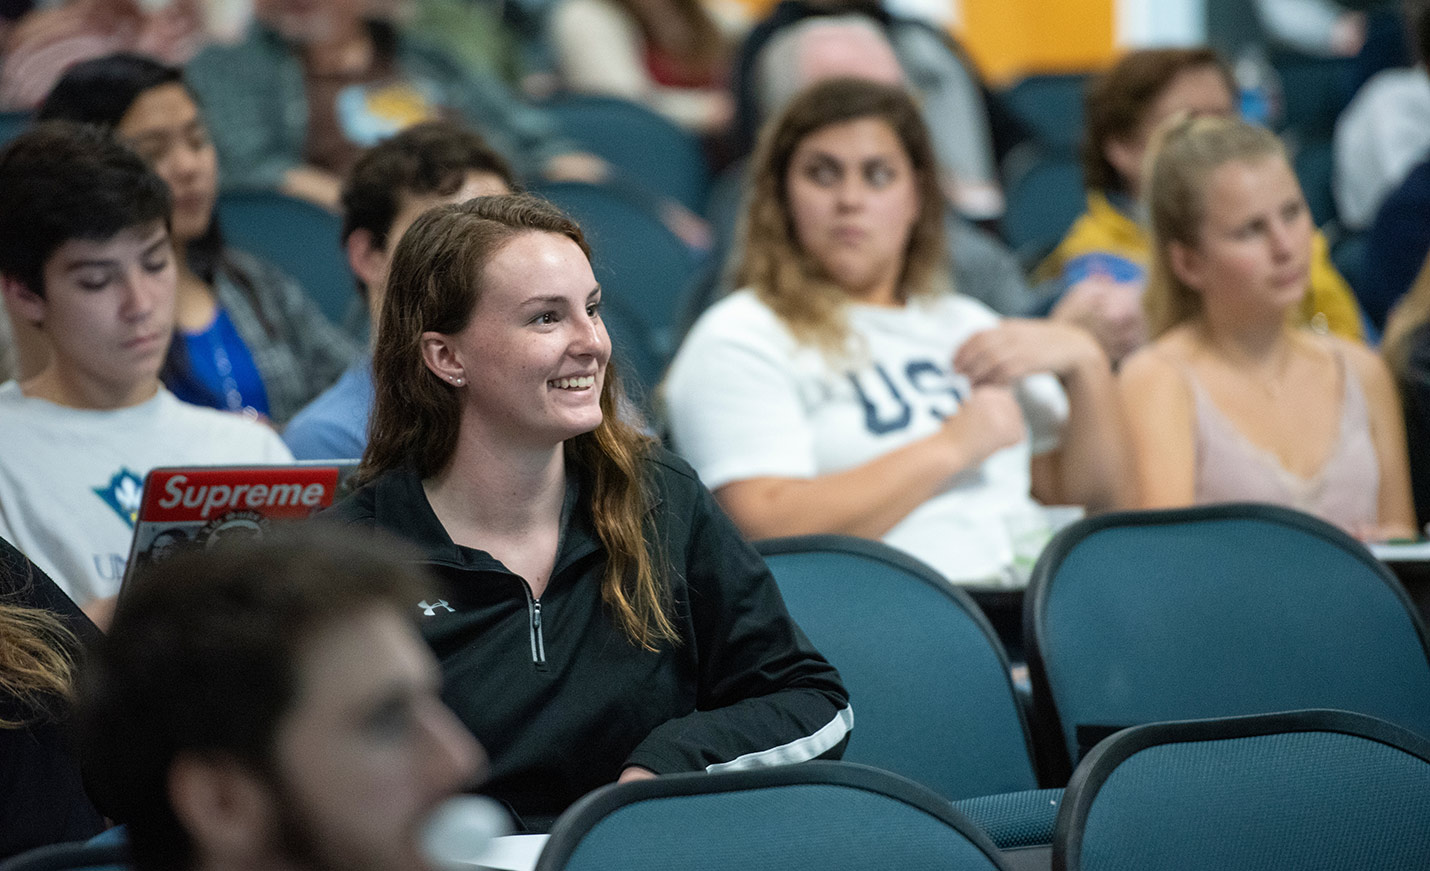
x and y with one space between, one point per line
433 285
784 276
1184 154
1118 101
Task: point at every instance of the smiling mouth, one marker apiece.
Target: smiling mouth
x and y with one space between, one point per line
581 383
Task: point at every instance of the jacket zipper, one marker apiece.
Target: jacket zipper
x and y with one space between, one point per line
538 641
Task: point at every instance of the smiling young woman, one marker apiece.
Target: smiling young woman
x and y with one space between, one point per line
601 619
1232 401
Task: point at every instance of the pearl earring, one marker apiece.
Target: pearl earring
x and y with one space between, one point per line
456 380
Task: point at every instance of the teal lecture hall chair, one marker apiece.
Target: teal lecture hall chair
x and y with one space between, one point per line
1215 611
1295 791
933 699
303 239
641 144
814 816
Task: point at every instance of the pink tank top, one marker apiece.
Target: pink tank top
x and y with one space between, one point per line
1230 468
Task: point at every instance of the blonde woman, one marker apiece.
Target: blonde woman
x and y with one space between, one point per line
1232 401
845 389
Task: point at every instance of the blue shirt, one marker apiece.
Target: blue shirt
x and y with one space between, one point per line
218 370
334 425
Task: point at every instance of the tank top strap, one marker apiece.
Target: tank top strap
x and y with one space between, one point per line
1355 408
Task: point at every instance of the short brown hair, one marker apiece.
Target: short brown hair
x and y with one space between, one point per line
433 157
1118 100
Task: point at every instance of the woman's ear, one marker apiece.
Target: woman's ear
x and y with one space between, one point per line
440 354
1186 264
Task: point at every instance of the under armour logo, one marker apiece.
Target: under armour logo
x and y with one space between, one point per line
431 610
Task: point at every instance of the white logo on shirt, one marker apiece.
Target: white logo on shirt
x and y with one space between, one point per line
431 610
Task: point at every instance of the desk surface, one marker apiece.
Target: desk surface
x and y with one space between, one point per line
510 853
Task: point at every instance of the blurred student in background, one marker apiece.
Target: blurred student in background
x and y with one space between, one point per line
1100 266
669 55
1407 350
1234 401
315 82
394 182
269 704
845 389
247 337
89 263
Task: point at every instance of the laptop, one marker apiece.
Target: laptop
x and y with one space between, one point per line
186 507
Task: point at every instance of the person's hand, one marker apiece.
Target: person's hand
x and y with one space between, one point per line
988 421
577 166
635 772
1110 310
1018 347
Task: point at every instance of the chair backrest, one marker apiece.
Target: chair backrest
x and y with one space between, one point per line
1020 824
1043 202
1217 611
640 365
302 239
636 259
1314 163
646 146
1302 790
926 674
1051 107
815 815
74 856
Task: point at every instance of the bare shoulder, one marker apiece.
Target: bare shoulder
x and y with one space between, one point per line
1367 365
1156 368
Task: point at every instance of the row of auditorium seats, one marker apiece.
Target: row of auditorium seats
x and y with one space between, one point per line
1130 618
1313 789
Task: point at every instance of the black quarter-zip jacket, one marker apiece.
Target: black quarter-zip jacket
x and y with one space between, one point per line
559 697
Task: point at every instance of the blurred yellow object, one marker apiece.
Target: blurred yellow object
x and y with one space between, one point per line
1013 38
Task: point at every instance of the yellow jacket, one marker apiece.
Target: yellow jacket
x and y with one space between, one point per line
1104 238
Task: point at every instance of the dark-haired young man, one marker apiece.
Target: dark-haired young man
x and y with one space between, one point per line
392 184
270 705
87 258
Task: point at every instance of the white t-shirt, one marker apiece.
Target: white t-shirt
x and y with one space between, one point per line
745 400
70 478
1380 137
